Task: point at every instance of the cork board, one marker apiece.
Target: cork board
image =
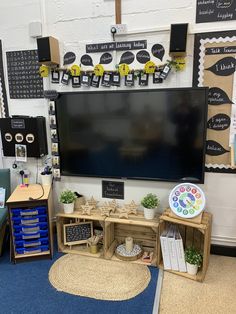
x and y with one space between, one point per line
214 66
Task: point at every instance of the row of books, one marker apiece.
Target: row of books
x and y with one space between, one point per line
172 249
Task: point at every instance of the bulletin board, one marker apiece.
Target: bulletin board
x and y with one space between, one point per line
214 66
3 95
23 74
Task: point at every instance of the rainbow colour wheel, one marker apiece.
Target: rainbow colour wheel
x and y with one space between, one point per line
187 200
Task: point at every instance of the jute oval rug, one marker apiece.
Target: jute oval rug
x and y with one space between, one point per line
98 278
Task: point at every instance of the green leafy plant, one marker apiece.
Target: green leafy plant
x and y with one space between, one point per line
150 201
67 197
193 256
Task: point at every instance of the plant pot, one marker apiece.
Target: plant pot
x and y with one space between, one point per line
149 213
93 248
69 208
46 179
191 269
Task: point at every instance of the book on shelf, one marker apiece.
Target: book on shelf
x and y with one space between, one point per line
165 250
172 248
180 251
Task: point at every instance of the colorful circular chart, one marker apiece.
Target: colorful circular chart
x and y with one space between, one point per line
187 200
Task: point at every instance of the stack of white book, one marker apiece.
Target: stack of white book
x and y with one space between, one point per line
172 249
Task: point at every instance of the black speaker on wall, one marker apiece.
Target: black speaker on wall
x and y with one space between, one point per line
178 39
23 130
48 50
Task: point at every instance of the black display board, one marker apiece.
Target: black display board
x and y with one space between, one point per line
77 233
113 189
215 11
118 46
23 74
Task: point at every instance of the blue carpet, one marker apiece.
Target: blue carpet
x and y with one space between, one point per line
24 288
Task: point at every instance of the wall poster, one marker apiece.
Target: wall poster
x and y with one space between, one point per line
214 66
23 74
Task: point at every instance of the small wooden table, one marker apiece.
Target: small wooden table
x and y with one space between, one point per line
25 198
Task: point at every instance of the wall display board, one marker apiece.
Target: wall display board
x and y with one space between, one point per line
215 11
23 74
214 66
77 233
3 94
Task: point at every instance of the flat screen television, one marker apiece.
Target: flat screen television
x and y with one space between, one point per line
154 134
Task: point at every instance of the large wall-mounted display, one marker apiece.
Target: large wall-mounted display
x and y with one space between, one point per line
156 134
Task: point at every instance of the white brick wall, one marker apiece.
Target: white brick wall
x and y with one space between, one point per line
77 22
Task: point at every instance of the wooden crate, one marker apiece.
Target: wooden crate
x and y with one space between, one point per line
76 216
193 234
144 232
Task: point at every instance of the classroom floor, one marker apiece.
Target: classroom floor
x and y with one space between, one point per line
216 295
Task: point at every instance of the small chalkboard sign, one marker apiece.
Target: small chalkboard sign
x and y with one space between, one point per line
215 10
113 189
77 233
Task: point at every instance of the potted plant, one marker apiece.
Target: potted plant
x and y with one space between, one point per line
193 260
67 198
46 176
150 203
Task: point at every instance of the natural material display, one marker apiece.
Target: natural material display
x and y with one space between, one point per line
150 201
67 197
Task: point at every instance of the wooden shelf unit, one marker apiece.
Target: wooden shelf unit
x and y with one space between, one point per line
20 198
193 234
115 230
77 216
143 231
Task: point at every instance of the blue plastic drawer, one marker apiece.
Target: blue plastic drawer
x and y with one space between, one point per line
31 250
29 219
18 212
30 236
30 243
31 228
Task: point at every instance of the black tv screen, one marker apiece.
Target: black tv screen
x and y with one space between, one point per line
154 134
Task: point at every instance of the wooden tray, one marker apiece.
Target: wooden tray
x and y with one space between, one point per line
135 254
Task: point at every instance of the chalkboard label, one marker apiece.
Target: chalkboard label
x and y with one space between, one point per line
106 58
215 10
158 51
213 148
77 233
220 50
219 122
119 46
143 56
223 67
216 96
113 189
69 58
18 124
